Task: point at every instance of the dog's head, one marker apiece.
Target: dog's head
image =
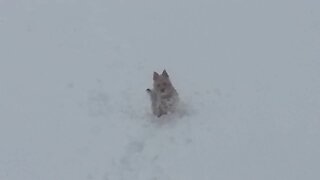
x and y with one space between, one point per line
162 84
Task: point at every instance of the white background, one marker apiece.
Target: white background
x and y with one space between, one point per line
73 75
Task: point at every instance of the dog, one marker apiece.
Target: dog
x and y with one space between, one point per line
164 97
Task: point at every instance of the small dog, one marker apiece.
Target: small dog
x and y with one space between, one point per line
164 97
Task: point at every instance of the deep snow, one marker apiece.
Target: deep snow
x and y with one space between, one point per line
73 75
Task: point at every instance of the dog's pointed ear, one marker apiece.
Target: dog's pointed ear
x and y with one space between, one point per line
155 76
165 74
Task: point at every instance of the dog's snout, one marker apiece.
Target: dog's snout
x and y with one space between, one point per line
162 90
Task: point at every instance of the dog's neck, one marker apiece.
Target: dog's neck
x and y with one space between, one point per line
169 95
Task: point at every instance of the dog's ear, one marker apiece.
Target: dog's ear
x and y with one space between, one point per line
165 74
155 76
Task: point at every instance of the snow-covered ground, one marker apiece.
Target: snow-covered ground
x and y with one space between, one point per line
73 75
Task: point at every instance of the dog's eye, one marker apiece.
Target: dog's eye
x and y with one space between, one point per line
164 84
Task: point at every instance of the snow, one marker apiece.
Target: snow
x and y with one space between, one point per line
73 76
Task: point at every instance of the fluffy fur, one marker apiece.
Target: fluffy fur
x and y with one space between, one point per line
164 97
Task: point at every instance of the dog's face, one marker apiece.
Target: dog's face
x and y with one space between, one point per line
162 84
